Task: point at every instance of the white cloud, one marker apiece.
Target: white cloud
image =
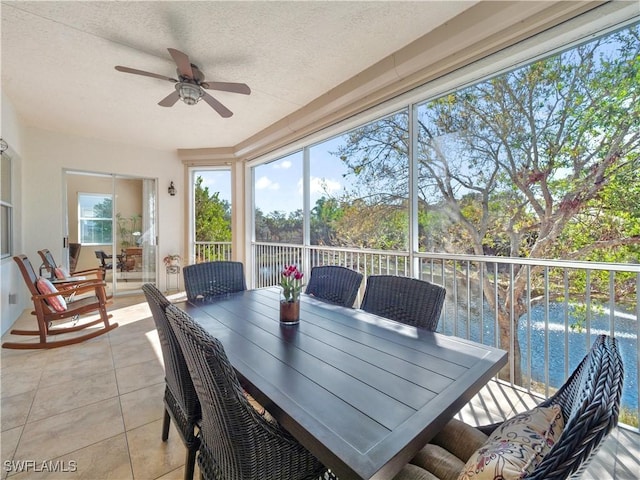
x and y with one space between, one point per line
284 165
324 185
265 183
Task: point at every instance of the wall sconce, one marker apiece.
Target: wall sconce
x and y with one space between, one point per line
172 190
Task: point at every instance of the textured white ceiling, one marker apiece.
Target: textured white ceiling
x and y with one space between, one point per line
58 61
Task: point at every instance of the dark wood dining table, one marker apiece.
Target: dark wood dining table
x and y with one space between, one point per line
361 392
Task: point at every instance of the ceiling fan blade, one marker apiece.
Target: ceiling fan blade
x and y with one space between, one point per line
228 87
216 105
146 74
170 100
182 61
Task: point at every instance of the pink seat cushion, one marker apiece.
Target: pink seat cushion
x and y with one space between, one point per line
61 273
44 286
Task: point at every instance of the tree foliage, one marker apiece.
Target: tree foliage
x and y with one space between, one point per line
540 162
212 215
279 227
101 229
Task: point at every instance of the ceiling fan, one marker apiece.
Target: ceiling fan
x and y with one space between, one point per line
190 84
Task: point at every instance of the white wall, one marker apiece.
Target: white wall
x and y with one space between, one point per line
49 153
45 156
10 279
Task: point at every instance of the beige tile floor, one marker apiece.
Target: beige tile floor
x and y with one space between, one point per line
96 408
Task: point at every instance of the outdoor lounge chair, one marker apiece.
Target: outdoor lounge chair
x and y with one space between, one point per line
589 404
334 284
180 399
207 280
403 299
237 442
49 306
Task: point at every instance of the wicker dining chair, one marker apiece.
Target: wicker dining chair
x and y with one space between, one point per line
407 300
180 399
237 442
334 284
207 280
589 404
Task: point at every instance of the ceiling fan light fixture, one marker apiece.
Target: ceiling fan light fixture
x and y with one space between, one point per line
189 93
190 86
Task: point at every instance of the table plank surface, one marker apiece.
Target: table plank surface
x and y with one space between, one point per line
362 393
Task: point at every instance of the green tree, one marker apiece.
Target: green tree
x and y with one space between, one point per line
103 209
102 230
324 215
279 227
517 162
213 215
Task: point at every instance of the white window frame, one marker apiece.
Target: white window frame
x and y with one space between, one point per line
82 219
6 208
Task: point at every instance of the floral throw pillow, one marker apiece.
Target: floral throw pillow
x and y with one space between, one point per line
517 446
44 286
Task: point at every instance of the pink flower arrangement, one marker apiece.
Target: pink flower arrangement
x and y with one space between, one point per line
291 283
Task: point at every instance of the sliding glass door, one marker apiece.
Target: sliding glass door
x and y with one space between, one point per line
111 220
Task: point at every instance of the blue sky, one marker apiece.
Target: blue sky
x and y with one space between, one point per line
278 184
217 181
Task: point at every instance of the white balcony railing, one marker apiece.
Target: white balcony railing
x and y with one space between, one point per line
565 304
212 251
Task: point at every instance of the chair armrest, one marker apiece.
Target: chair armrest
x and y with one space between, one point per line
74 288
91 284
87 271
43 296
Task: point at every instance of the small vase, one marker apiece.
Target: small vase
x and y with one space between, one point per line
290 312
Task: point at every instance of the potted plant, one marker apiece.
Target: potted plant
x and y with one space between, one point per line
172 260
291 283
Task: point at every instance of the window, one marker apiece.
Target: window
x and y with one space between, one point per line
212 205
513 161
6 208
95 217
360 186
211 210
278 200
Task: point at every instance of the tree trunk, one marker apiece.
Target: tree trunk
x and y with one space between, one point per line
505 344
501 307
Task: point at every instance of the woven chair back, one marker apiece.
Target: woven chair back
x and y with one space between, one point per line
590 402
207 280
334 284
181 398
407 300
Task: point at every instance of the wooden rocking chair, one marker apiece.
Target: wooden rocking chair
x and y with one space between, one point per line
50 265
50 308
